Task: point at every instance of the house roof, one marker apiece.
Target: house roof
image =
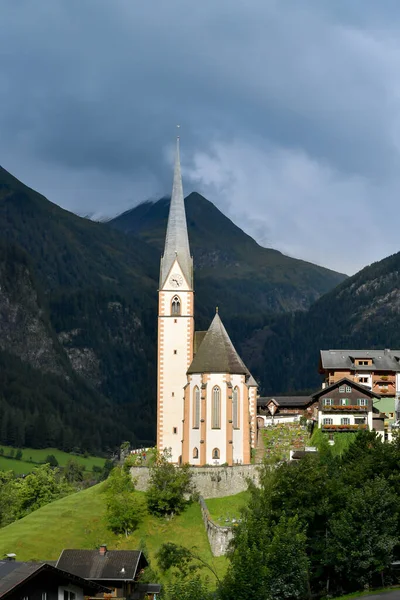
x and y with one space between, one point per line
344 381
113 565
14 573
285 401
382 360
217 354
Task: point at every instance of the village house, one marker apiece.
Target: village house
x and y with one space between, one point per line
118 570
42 581
348 406
285 409
378 370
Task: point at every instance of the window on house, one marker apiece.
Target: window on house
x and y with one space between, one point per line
362 402
363 379
345 421
175 320
173 394
174 430
342 389
235 408
196 408
328 401
327 421
175 351
176 306
344 401
359 421
216 408
363 363
69 595
348 389
215 454
195 453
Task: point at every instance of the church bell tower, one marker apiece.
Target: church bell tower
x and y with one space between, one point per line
175 322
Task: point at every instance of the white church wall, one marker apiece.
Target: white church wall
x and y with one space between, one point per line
216 438
175 357
194 434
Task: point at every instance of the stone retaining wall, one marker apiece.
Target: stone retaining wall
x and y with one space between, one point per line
210 482
219 537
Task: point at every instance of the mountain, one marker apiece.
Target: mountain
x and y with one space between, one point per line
94 323
362 312
231 269
78 304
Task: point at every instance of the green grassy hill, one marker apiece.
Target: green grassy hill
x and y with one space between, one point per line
32 457
77 521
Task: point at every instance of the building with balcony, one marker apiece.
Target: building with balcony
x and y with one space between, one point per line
376 370
348 406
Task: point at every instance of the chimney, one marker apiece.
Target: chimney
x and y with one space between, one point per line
103 550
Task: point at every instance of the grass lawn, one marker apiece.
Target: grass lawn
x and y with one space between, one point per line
39 456
20 467
223 510
77 521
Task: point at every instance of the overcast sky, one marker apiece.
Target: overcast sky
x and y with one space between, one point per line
289 113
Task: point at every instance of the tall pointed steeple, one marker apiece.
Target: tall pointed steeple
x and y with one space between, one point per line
177 241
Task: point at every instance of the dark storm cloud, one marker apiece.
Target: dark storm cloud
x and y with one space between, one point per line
289 111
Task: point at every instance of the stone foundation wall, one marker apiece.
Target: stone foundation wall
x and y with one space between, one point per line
210 482
219 537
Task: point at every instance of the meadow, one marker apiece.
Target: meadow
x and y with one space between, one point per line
77 521
31 457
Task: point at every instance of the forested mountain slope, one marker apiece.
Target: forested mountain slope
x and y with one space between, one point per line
362 312
231 269
78 304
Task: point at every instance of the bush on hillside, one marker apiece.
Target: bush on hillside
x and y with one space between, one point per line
170 488
123 510
51 460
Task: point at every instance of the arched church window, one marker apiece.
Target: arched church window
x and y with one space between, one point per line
216 408
195 453
216 454
196 408
235 408
176 305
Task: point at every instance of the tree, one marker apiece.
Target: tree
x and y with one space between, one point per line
38 488
363 535
73 471
18 454
123 509
169 487
51 460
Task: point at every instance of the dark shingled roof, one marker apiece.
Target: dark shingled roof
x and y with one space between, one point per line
344 381
14 574
285 401
217 354
90 564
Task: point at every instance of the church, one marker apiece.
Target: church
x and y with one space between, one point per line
206 396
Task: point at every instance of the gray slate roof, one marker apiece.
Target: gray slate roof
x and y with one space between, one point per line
217 354
382 360
177 240
14 574
285 401
90 564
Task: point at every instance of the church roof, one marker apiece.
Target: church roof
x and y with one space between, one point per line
216 353
177 240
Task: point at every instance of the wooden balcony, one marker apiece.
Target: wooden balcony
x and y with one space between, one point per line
343 427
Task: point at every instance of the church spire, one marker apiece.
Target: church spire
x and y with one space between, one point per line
177 241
